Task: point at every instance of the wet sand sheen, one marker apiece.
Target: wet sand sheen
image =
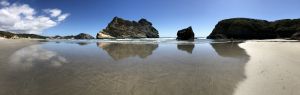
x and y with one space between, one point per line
273 69
65 68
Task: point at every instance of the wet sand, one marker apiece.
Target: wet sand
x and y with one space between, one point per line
8 46
103 68
112 68
273 68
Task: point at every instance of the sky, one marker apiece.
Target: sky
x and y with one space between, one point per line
71 17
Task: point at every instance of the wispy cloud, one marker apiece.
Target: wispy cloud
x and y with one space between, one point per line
62 17
21 18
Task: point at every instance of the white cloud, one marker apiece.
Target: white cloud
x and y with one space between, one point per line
21 18
62 17
53 12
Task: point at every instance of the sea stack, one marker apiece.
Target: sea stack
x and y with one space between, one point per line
120 28
246 28
186 34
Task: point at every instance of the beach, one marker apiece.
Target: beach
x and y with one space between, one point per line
273 68
149 67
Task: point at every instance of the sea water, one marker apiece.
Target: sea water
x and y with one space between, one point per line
161 66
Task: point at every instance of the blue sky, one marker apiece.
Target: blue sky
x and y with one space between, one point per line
167 16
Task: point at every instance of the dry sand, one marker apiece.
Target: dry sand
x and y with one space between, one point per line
273 68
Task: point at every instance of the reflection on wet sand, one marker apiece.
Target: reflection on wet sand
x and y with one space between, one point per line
230 49
166 72
35 55
82 43
120 51
186 47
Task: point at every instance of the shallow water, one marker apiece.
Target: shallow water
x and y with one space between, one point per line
121 67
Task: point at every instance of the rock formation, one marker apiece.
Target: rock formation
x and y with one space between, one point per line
120 28
83 36
186 34
245 28
296 36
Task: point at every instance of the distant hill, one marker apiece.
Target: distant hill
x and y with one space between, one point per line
10 35
79 36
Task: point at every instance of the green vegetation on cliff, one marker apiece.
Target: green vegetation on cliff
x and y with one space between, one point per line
10 35
245 28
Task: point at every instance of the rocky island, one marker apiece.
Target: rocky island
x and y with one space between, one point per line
186 34
120 28
246 28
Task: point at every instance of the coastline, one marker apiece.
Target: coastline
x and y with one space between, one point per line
272 68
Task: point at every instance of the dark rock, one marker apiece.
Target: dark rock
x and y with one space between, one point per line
120 28
186 34
83 36
296 36
245 28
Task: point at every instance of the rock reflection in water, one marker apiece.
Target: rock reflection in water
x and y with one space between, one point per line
232 71
186 47
230 50
82 43
120 51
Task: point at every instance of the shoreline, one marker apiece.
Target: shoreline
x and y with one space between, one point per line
271 70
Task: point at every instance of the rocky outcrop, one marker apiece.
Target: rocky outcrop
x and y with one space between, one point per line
120 28
296 36
186 34
83 36
245 28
